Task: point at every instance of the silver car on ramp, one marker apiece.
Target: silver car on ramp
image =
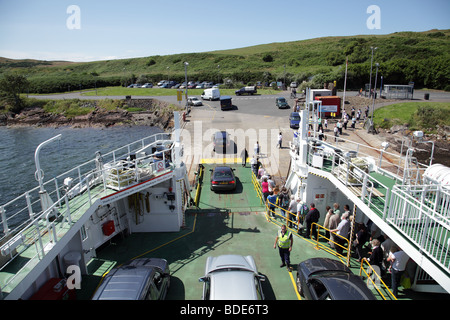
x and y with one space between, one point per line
232 277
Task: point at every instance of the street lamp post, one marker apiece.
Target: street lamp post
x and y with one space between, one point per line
371 62
218 73
185 79
374 90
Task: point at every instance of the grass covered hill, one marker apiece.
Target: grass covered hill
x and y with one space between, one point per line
422 57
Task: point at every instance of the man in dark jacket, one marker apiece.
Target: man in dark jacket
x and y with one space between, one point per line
312 216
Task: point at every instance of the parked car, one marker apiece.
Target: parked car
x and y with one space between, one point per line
328 279
281 103
139 279
194 101
223 179
293 84
294 120
221 141
147 85
226 103
232 277
246 90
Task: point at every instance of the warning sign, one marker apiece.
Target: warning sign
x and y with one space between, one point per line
159 166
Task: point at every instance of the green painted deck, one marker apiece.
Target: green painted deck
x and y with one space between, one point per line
232 223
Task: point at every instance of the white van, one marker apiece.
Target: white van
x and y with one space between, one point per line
211 94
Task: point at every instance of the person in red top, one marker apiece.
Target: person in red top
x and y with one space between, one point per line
265 188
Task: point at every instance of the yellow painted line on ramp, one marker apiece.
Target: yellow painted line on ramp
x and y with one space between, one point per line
221 160
295 285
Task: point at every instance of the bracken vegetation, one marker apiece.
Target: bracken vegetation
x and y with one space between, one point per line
420 57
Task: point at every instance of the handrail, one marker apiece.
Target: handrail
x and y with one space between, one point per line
327 240
372 273
16 209
199 184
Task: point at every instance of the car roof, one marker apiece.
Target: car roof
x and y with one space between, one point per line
225 97
344 286
222 168
220 134
315 265
232 285
230 261
124 284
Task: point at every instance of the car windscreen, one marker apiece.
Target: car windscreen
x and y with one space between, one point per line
223 174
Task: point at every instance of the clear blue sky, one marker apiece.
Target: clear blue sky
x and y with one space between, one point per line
138 28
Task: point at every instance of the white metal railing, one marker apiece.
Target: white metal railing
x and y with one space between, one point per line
24 222
19 212
420 223
358 180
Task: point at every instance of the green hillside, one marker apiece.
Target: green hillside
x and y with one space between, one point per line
422 57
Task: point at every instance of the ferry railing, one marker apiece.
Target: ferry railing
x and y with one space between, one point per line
198 183
401 167
257 187
21 210
40 228
285 216
420 224
322 238
374 280
369 189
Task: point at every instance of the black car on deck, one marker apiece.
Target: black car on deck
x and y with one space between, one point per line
223 179
328 279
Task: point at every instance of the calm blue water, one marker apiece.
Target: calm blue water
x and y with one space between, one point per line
17 147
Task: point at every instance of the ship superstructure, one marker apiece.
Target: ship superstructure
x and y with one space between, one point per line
141 187
407 200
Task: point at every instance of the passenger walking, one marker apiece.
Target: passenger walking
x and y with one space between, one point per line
280 140
398 260
255 165
326 222
292 209
342 231
244 155
361 238
256 149
334 222
271 201
284 241
312 217
265 188
283 201
376 255
336 133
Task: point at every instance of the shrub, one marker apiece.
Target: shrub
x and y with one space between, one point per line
267 58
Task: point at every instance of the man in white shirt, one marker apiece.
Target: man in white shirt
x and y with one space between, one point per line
343 230
398 260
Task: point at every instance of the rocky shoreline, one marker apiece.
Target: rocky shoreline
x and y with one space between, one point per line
154 113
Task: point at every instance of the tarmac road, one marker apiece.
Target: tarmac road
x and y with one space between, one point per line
256 117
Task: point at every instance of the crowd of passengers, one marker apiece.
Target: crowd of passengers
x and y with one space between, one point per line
368 241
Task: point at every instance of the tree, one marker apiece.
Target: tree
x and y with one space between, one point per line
11 85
